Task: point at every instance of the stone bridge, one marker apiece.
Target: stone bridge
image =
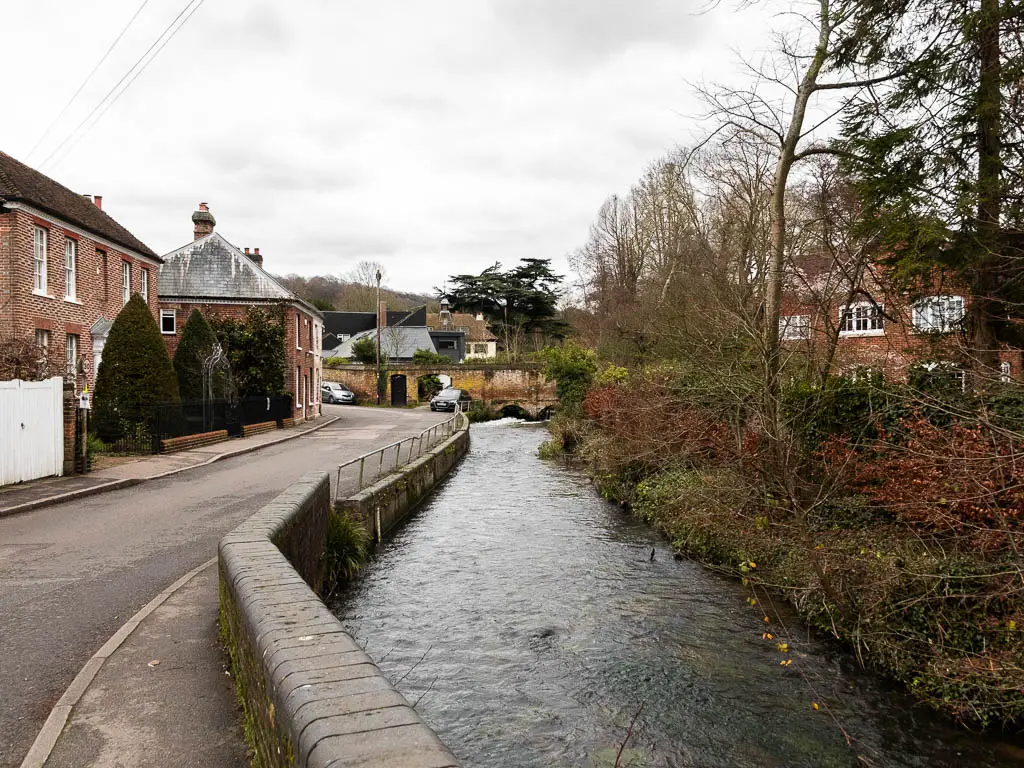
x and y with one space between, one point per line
503 387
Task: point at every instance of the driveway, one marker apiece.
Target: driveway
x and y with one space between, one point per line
71 574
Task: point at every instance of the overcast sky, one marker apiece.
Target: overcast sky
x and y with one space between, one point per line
434 137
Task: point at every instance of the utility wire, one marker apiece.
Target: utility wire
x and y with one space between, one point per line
86 81
98 117
125 76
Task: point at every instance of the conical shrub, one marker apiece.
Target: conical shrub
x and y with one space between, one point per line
197 342
135 372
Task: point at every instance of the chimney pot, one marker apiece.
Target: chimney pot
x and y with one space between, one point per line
98 199
256 256
204 207
247 250
256 251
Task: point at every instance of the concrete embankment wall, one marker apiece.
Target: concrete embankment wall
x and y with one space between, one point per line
312 697
383 505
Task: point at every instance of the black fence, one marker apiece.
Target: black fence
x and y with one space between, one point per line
193 417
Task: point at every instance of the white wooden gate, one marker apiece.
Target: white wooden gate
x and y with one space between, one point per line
31 429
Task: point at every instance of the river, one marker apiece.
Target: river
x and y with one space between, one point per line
526 617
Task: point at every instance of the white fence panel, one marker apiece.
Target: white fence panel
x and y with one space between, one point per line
31 429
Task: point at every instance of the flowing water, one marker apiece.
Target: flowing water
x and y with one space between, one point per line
525 616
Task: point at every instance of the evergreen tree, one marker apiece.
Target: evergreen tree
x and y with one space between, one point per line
517 303
135 372
937 152
197 342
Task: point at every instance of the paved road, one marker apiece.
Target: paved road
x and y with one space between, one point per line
71 574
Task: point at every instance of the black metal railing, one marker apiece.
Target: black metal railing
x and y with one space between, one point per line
166 421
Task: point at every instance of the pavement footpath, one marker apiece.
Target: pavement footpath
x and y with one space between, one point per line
159 692
56 490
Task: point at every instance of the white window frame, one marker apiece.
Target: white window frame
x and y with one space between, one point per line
298 395
40 236
126 281
794 327
42 338
70 268
938 314
173 315
71 353
298 332
864 318
144 284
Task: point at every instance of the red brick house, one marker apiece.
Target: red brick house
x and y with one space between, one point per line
212 275
66 268
874 325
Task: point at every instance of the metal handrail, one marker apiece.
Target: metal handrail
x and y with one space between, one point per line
446 429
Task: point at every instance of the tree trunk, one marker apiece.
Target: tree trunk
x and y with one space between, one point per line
777 256
985 309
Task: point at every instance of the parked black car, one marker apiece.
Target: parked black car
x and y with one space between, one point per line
446 399
335 392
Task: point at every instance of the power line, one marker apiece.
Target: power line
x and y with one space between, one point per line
86 81
113 101
125 76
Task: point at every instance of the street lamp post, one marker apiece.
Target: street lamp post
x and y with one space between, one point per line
378 338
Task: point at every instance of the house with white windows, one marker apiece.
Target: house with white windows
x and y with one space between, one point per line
221 280
66 269
874 325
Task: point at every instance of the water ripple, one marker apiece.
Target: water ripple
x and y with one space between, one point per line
545 626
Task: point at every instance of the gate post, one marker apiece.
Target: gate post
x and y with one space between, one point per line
72 430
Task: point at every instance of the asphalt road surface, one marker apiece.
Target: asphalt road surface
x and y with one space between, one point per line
71 574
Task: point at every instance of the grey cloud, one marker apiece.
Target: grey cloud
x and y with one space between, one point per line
582 31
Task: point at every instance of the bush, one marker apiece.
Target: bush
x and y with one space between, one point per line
426 357
479 411
428 386
331 361
364 350
347 547
135 372
572 368
197 342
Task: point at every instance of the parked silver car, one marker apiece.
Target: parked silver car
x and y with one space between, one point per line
335 392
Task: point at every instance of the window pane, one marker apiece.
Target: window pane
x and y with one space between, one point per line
70 258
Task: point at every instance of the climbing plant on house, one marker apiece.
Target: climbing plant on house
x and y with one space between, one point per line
255 349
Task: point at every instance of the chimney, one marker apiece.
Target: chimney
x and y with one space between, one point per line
98 199
257 258
479 315
203 221
382 315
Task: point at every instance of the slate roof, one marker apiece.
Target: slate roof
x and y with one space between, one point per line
21 184
477 329
212 268
349 323
397 342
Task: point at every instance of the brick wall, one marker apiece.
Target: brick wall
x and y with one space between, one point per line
892 351
98 287
524 384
